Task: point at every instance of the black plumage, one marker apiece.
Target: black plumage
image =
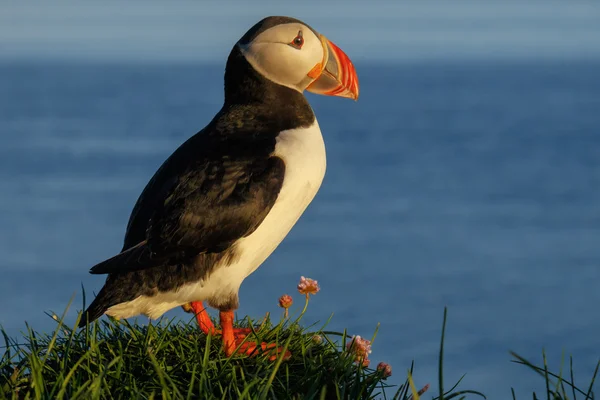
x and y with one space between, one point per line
214 189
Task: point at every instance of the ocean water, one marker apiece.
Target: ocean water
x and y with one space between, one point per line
470 185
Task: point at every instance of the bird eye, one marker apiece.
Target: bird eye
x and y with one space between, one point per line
298 41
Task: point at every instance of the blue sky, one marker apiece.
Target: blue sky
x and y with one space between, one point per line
369 30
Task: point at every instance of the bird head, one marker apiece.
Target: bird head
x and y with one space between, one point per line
291 53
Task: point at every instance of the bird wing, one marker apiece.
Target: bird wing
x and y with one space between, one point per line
207 195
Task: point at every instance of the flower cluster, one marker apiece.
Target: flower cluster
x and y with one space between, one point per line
285 302
358 347
385 369
318 339
308 286
361 348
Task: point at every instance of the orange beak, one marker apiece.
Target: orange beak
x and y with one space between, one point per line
336 75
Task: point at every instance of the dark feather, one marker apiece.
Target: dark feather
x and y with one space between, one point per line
136 257
96 309
206 210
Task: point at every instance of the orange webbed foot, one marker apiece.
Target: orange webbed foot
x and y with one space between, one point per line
233 339
252 349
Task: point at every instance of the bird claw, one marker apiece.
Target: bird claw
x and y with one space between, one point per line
235 337
252 349
238 333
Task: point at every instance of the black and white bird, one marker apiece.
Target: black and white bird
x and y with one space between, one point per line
226 198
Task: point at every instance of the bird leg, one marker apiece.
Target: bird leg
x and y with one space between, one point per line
232 337
204 321
206 324
231 340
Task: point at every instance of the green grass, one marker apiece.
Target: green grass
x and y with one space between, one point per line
172 360
558 386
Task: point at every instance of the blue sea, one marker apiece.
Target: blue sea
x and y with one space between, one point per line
468 185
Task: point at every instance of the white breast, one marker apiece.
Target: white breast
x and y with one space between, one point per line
303 153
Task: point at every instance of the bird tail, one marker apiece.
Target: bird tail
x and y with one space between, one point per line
96 309
133 259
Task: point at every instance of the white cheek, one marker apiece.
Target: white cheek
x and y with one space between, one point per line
313 51
283 64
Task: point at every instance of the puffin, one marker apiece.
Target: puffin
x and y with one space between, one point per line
227 197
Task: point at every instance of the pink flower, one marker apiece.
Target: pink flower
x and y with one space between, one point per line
385 368
361 348
358 345
308 286
286 301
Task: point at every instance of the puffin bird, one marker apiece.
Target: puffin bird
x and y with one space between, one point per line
226 198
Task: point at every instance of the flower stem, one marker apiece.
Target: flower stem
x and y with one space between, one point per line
305 305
